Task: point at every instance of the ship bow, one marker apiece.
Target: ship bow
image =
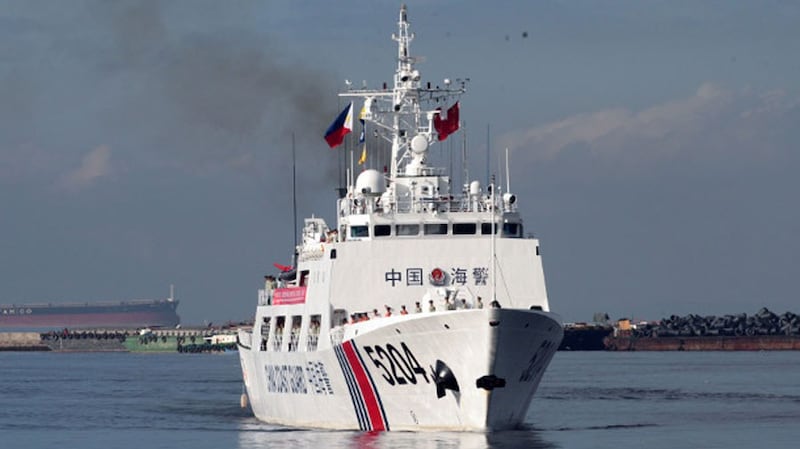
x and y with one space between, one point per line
523 345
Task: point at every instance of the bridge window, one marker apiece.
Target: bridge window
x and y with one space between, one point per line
436 228
407 229
513 230
359 231
382 230
486 228
464 228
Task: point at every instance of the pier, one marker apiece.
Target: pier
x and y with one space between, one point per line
22 341
186 340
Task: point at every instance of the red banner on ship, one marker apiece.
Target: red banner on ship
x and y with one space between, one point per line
289 295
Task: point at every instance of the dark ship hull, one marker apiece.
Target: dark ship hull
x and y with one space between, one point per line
112 315
584 337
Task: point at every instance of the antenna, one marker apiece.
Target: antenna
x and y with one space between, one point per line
294 192
352 169
488 150
508 174
451 154
464 158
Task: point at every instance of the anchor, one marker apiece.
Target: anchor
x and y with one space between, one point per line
444 379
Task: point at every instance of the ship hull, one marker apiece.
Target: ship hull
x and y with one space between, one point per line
387 377
121 315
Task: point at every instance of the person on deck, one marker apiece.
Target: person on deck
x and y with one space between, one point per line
269 287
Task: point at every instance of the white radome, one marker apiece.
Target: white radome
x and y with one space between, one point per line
371 182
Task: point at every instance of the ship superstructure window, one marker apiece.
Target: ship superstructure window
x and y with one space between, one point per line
435 228
339 317
265 324
382 230
359 231
407 229
486 228
313 332
513 230
294 334
277 339
464 228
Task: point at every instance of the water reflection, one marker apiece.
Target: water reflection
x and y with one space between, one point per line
253 434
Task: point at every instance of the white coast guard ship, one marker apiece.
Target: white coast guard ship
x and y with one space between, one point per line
333 347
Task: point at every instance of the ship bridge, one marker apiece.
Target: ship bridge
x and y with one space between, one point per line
422 206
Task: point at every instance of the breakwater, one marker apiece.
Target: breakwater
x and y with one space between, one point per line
764 322
764 330
114 340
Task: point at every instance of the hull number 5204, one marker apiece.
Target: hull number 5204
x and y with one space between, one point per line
398 366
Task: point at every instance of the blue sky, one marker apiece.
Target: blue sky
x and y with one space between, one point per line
654 143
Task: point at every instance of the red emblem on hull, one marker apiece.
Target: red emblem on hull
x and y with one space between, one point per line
437 276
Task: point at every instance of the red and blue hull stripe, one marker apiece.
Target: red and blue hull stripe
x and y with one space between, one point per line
366 400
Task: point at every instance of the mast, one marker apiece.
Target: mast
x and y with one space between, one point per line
493 213
403 73
397 114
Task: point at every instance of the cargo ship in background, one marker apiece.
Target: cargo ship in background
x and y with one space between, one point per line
132 314
585 336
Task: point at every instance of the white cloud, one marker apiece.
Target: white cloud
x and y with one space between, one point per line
95 164
713 121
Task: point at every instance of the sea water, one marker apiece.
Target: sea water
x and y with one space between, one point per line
586 400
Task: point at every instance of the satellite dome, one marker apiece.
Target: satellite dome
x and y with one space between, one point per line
475 188
419 144
371 182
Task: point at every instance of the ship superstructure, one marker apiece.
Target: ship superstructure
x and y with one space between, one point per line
424 307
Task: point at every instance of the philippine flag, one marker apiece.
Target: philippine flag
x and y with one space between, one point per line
340 127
